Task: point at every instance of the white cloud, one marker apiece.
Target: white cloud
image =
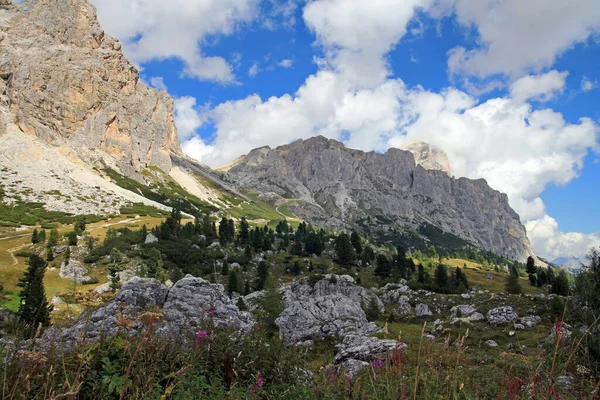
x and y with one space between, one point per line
154 30
253 70
188 117
517 35
587 84
287 63
539 87
158 82
548 240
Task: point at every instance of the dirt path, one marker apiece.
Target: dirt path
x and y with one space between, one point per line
12 252
16 236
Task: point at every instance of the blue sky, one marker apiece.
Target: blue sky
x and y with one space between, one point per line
509 89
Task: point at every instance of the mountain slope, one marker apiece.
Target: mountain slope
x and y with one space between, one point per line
339 187
68 83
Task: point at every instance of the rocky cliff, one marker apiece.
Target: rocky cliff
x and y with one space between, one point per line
337 186
68 83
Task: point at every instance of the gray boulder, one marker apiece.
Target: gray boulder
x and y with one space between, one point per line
491 343
530 321
150 238
501 315
357 351
476 317
422 310
462 310
73 270
333 315
181 311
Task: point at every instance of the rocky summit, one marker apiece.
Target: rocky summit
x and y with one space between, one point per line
339 187
68 83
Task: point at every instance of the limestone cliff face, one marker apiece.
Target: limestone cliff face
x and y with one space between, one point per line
429 157
68 83
339 186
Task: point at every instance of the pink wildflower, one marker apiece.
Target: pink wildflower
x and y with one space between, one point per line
377 363
259 380
201 335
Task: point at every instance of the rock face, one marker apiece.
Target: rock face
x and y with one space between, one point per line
69 84
429 157
339 186
182 309
356 351
73 270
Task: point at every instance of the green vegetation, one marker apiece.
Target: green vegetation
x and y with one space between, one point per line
34 309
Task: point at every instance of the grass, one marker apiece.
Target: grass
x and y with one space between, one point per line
55 285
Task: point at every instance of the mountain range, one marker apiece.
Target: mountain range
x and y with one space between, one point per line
76 122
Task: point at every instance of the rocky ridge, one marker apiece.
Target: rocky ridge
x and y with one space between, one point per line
337 186
68 83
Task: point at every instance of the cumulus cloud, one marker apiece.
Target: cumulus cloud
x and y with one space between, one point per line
548 240
515 35
287 63
153 30
188 117
158 82
587 84
539 87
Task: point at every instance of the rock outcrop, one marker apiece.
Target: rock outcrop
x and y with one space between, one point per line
339 187
356 351
180 312
429 157
69 84
501 315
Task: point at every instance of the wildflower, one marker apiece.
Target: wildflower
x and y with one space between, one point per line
201 335
377 363
259 380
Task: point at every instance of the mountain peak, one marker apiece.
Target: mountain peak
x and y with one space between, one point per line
429 157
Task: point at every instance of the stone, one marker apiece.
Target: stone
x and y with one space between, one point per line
392 293
530 321
61 249
462 310
489 276
252 300
214 245
336 186
491 343
404 308
104 288
422 310
430 337
353 367
365 349
235 265
150 238
476 317
325 316
519 327
73 270
501 315
182 309
465 296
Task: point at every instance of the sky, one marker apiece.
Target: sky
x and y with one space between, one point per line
508 88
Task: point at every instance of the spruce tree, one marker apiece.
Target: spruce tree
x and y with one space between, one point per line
42 236
34 308
384 267
356 242
261 275
232 284
372 311
441 278
513 286
247 290
53 238
35 239
244 234
561 284
296 268
225 268
344 250
530 266
72 238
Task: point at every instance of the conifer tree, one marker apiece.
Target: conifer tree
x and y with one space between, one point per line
512 282
561 284
356 242
247 288
244 234
384 267
530 267
35 239
232 284
261 275
72 238
42 236
344 250
34 308
225 268
53 238
296 268
441 278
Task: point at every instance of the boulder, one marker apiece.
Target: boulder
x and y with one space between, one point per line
150 238
489 276
422 310
73 270
358 351
404 307
180 310
476 317
325 316
253 299
462 310
530 321
501 315
491 343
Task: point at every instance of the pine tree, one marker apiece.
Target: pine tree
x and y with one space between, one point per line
42 236
441 278
225 268
244 234
35 239
530 266
261 275
34 308
344 250
155 265
513 286
72 238
224 235
271 304
356 242
53 238
296 268
116 262
232 284
561 284
384 267
372 311
247 290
